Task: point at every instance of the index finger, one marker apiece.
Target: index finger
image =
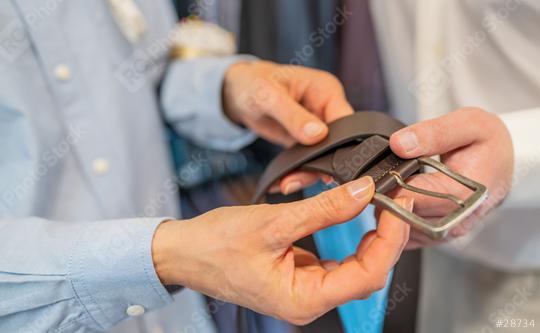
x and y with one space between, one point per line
368 269
325 96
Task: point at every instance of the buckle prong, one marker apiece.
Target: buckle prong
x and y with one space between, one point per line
438 229
411 188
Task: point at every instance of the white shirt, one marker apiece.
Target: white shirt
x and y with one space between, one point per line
440 55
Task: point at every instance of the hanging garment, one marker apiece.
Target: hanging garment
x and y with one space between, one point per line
360 67
258 29
225 13
301 32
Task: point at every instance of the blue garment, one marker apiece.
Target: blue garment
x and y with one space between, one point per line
339 242
85 171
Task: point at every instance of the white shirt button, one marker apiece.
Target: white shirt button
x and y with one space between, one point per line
135 310
100 166
62 72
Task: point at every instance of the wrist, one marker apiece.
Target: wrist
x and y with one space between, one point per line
229 96
167 244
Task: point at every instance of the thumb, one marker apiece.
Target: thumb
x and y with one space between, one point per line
328 208
441 135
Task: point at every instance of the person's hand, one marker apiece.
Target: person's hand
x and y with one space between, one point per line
284 104
470 141
245 254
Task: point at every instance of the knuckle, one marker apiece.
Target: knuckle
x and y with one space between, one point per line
477 114
331 80
329 77
489 121
277 225
326 206
380 282
476 111
264 95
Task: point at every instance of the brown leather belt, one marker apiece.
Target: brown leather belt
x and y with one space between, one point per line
358 146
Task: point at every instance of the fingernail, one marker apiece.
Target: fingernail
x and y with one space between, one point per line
408 141
313 129
360 188
292 187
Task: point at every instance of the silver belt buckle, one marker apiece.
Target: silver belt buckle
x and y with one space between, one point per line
439 229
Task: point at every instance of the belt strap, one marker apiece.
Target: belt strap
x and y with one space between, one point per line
358 146
345 132
404 293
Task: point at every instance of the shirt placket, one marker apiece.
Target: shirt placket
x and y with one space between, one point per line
94 147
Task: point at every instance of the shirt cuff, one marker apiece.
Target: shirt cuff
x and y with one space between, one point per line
112 271
523 128
192 102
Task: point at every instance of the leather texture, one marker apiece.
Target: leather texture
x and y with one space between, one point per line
356 146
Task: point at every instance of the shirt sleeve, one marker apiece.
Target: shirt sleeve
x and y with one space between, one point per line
192 103
84 277
523 128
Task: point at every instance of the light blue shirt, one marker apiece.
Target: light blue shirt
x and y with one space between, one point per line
85 172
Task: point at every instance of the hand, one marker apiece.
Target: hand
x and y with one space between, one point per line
245 254
470 141
285 105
